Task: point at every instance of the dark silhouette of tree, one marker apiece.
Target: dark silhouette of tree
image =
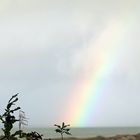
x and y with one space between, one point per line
8 119
62 129
34 136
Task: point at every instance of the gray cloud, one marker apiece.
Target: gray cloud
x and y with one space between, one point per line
44 51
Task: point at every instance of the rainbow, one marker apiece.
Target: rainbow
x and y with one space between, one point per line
103 55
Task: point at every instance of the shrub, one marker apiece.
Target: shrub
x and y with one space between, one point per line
8 119
62 129
34 136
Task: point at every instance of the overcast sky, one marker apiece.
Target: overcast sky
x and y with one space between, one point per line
48 46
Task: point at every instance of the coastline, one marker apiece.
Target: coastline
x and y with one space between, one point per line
117 137
120 133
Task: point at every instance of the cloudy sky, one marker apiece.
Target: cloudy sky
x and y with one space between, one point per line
51 49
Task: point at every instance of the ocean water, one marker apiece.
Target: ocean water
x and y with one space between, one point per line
86 132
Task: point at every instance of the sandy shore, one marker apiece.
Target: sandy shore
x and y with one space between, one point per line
117 137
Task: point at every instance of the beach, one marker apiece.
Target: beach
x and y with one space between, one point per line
86 132
117 137
103 133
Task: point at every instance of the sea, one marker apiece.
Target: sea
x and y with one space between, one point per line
83 132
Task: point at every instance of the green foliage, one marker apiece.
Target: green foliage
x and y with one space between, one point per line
8 119
33 136
62 129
